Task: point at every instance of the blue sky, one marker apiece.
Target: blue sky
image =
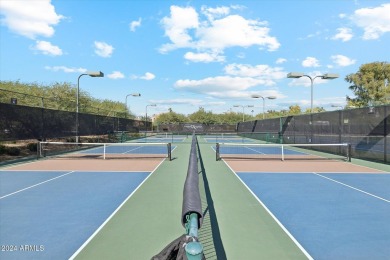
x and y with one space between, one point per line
189 54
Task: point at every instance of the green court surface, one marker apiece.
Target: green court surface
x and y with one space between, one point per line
235 225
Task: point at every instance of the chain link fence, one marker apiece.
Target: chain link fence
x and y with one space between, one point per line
189 128
19 122
366 129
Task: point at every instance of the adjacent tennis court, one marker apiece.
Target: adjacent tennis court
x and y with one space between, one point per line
50 214
52 206
333 209
332 216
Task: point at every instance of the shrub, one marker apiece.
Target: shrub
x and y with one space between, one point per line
14 151
32 147
3 149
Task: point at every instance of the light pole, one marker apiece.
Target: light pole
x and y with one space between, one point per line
146 116
91 74
243 110
258 96
296 75
133 95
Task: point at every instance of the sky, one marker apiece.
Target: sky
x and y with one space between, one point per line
187 55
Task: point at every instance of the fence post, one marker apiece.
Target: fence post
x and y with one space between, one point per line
386 118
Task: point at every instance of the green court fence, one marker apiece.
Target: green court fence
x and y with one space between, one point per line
366 129
189 128
23 122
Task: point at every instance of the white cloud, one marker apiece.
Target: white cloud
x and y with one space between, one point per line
234 30
343 34
103 49
266 74
311 62
204 57
178 101
312 35
280 61
213 13
342 60
66 69
177 25
374 21
342 16
134 24
30 18
219 31
220 87
237 82
47 48
146 76
215 103
116 75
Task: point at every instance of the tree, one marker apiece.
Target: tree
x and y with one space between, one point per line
171 118
203 117
315 110
59 96
229 118
274 113
370 85
295 110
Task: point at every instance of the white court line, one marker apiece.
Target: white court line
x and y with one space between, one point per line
273 216
255 150
32 186
136 148
112 215
351 187
243 147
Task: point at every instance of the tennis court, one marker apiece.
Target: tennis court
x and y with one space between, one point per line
331 216
51 207
332 209
79 205
50 214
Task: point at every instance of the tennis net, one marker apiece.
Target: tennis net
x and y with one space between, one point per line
104 150
284 151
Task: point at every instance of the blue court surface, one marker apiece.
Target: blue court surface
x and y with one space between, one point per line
124 149
47 214
228 140
252 150
332 216
161 139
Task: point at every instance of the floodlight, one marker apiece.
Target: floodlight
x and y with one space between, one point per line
95 73
295 75
330 76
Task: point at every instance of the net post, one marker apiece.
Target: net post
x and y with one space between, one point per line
282 146
217 155
43 150
104 151
194 249
38 150
349 152
169 147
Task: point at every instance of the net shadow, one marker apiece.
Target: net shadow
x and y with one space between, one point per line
212 242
